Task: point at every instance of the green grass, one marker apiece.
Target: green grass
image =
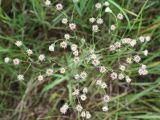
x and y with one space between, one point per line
39 26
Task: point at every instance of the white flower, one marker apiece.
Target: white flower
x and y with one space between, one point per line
93 56
74 47
120 76
98 5
113 75
122 67
40 77
83 75
85 90
67 36
106 3
99 21
76 92
79 108
91 51
16 61
18 43
29 52
99 82
95 62
137 58
49 72
128 79
88 115
64 109
120 16
142 70
117 44
148 38
106 98
47 2
129 60
59 6
62 70
145 52
113 27
142 39
102 69
83 97
92 19
20 77
51 48
83 114
41 57
95 28
63 44
112 47
133 43
76 53
105 108
77 77
108 10
76 59
103 85
6 59
64 20
72 26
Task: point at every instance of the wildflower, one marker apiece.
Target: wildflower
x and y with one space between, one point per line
88 115
95 28
41 57
95 62
117 44
122 67
120 16
79 108
51 48
67 36
91 51
120 76
63 44
16 61
142 70
92 20
64 20
98 5
106 98
99 82
105 108
112 47
83 97
76 92
85 90
40 77
102 69
83 75
29 52
142 39
133 43
106 3
20 77
76 59
113 27
148 38
100 21
145 52
72 26
137 58
62 70
128 79
73 47
47 2
129 60
113 75
83 114
49 72
6 59
108 10
18 43
93 56
64 109
103 85
59 6
77 77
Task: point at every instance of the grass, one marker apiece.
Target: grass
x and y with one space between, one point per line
38 26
